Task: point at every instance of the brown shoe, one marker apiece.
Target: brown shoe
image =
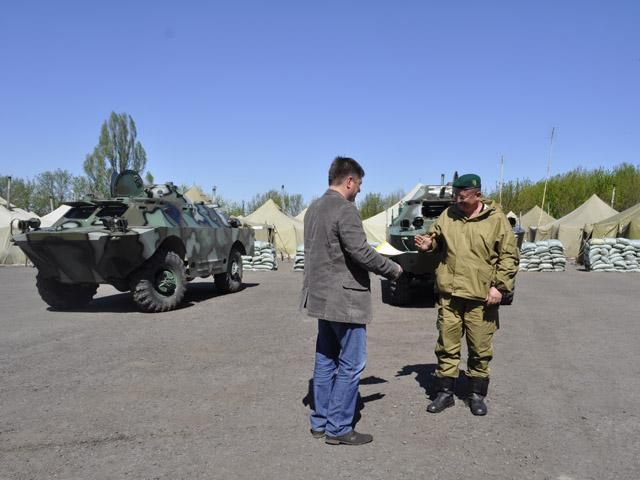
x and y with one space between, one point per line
317 433
351 438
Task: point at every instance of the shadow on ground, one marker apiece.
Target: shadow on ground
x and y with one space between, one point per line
425 376
123 303
307 400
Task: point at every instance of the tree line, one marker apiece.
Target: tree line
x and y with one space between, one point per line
293 203
118 149
567 191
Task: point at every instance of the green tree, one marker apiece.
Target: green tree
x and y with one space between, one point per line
52 187
371 204
291 204
374 203
232 208
80 186
567 191
22 191
118 149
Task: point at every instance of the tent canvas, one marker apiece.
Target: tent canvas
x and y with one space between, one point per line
195 195
569 229
289 232
9 253
619 225
375 228
534 218
52 217
262 231
301 215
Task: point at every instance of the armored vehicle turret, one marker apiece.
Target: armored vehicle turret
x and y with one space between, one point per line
147 240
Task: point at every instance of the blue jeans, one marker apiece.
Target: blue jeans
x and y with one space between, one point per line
341 355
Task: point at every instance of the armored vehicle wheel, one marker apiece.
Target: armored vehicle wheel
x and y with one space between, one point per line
65 295
231 281
160 284
400 291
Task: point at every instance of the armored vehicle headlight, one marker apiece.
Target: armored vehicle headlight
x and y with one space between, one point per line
405 223
26 225
418 222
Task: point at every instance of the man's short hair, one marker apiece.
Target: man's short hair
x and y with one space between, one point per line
341 168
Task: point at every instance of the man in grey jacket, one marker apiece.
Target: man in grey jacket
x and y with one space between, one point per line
337 291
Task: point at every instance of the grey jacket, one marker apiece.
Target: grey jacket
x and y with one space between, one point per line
337 262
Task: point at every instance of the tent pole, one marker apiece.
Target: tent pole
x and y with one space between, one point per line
613 195
546 180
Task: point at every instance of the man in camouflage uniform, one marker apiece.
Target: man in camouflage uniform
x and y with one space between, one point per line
478 266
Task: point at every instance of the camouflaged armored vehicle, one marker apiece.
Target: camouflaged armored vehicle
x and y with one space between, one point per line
150 241
415 217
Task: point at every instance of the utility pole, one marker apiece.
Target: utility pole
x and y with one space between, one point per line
501 175
546 180
284 206
8 193
613 196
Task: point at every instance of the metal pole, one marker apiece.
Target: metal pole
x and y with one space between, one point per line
8 193
501 174
613 196
284 207
546 180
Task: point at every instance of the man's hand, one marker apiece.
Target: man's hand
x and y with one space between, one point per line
424 242
494 297
398 273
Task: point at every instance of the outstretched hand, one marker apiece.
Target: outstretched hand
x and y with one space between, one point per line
424 242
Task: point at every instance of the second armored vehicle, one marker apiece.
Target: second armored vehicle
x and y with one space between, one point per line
415 217
150 241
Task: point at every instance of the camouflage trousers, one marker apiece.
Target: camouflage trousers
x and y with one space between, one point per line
477 322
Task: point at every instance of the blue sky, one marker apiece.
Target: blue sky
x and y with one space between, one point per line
250 95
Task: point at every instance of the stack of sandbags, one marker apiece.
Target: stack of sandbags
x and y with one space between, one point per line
264 257
612 255
247 262
543 256
298 261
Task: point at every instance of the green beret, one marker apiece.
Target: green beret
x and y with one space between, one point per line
469 180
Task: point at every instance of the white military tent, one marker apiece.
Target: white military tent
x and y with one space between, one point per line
569 229
289 232
9 253
195 195
52 217
375 228
301 215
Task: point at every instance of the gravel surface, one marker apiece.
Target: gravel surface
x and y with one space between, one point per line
219 388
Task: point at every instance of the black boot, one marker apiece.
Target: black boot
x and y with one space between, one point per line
479 387
444 399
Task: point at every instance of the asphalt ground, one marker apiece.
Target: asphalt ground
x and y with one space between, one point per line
219 388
